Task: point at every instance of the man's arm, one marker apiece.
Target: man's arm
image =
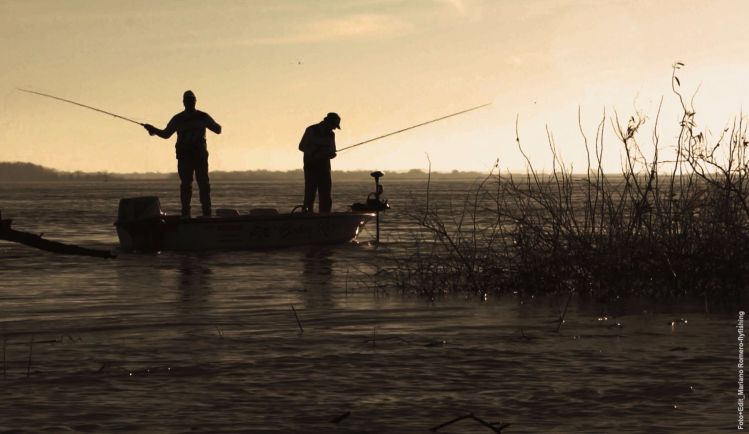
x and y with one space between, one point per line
213 125
167 132
316 147
307 143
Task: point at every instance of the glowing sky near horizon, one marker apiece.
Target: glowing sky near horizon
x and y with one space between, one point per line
267 69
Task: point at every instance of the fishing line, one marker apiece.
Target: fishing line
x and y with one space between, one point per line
81 105
413 126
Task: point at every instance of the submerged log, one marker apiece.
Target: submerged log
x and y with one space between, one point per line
36 241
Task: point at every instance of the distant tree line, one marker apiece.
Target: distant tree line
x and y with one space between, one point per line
29 172
26 172
338 175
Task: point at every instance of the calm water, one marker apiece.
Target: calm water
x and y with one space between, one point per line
209 342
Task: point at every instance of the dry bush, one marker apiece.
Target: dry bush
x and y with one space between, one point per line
661 229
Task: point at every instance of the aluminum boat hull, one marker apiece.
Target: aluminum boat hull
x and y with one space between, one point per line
242 232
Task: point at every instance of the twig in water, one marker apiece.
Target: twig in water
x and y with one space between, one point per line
497 427
389 338
346 283
436 344
5 343
374 336
564 313
31 349
339 419
707 306
299 323
429 183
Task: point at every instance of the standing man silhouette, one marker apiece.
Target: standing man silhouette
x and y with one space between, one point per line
318 145
192 151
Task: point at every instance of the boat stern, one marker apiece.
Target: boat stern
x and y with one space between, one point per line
139 224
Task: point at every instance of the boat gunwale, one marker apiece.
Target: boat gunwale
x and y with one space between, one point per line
177 220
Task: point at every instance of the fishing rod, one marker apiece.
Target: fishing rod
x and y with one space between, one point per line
81 105
414 126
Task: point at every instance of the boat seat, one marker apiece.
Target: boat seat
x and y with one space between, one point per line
227 212
263 211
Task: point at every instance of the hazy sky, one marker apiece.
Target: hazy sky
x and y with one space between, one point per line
267 69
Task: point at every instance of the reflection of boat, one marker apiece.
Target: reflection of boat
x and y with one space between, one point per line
142 226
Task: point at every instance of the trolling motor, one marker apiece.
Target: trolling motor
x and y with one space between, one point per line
374 203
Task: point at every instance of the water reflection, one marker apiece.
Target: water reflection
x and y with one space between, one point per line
317 277
137 276
194 281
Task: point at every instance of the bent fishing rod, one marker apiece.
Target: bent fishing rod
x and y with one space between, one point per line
413 126
81 105
340 150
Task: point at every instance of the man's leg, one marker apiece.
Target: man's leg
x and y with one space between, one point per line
185 169
310 187
201 175
324 185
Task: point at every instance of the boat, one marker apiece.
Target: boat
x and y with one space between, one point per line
142 226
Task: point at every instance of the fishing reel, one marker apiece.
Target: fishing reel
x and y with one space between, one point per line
373 203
